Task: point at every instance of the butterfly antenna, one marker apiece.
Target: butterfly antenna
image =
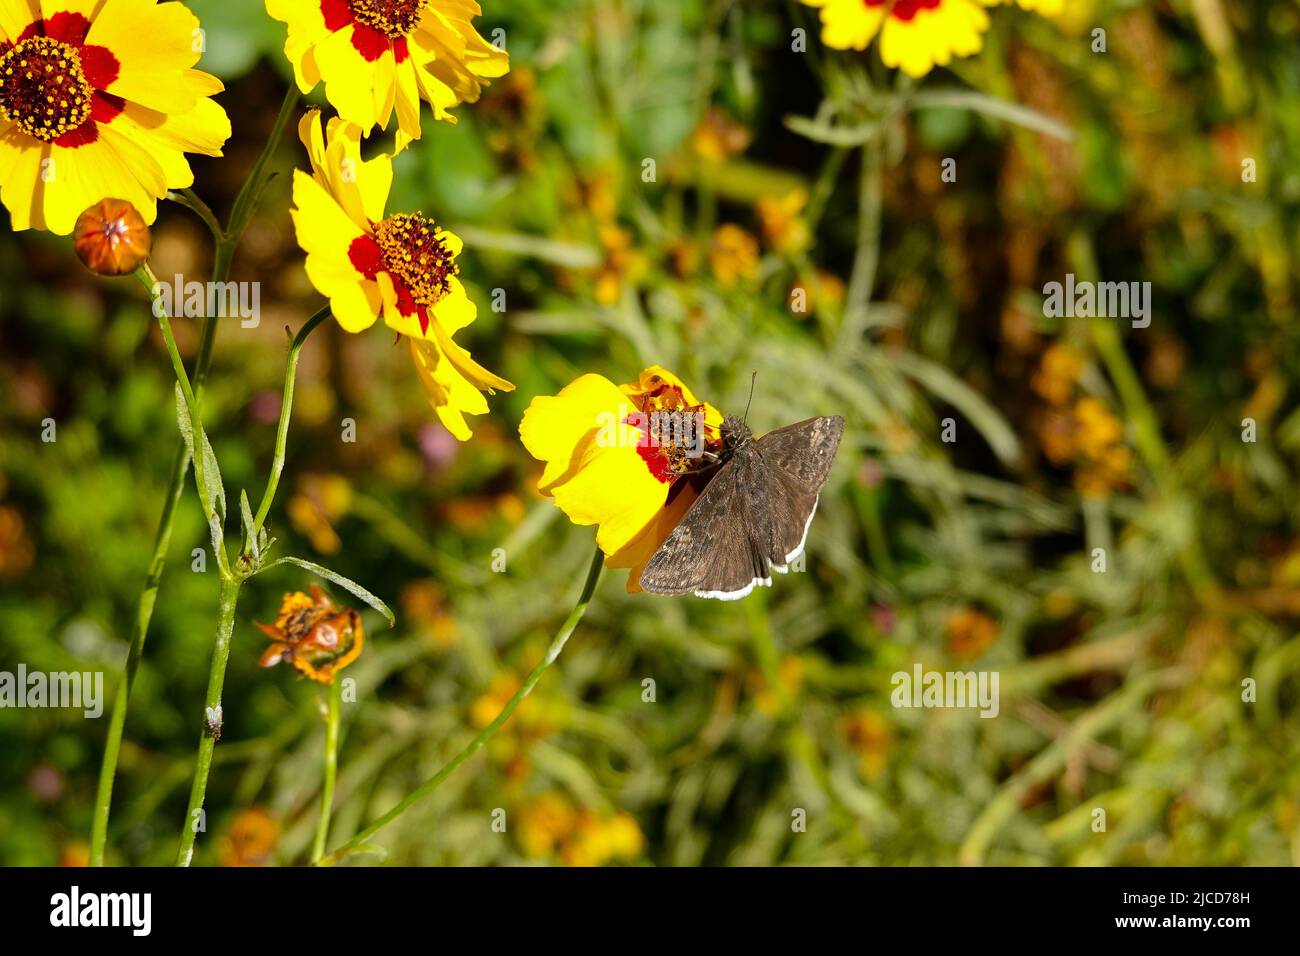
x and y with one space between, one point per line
752 376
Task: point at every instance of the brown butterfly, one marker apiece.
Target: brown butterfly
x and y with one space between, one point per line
753 517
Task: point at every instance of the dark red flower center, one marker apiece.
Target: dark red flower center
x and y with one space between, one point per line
409 248
415 253
43 88
393 18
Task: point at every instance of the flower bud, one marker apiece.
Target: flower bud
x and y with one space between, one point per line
111 239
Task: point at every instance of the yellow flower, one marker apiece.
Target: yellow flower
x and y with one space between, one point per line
314 635
377 56
1048 8
733 255
403 266
98 100
915 35
608 464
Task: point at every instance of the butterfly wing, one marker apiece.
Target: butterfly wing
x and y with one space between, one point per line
804 451
796 460
710 553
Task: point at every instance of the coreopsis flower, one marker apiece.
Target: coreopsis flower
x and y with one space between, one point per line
915 35
403 266
610 462
1049 8
314 635
380 56
111 239
100 100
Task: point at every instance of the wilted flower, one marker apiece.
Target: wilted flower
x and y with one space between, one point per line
111 239
100 99
314 635
402 266
377 56
605 467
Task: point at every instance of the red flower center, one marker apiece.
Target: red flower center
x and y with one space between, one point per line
43 89
393 18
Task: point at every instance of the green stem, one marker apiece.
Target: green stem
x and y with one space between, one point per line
229 595
246 201
331 770
286 408
426 788
144 612
225 241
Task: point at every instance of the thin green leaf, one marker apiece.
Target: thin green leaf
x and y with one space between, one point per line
336 578
990 106
252 540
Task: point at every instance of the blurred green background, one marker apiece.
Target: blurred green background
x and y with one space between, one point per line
1121 690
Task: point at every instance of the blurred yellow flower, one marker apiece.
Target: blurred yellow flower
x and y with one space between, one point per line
783 225
100 100
377 56
1057 373
604 467
971 632
718 137
16 550
403 266
251 839
549 825
314 635
320 502
542 823
868 735
915 35
733 255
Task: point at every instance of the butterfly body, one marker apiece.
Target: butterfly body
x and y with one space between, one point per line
752 518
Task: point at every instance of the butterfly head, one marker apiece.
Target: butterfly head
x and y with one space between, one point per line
735 432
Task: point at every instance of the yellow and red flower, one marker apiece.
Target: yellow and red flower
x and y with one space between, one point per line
98 100
314 635
377 56
607 465
403 266
915 35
